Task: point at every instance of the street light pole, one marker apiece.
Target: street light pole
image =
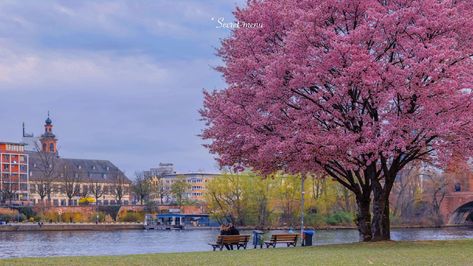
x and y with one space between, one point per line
302 208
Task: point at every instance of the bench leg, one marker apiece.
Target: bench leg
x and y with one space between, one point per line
221 247
214 247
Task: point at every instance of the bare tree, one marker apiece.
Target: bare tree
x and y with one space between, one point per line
141 187
70 181
316 186
179 190
47 167
85 191
119 187
407 192
345 199
158 189
436 189
96 189
8 191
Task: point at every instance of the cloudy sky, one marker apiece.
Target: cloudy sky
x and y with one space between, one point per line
123 80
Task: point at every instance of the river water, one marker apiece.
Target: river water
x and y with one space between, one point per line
91 243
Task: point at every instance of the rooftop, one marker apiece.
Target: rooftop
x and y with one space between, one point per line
84 169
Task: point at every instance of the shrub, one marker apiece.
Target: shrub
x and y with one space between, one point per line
8 211
315 219
86 201
110 210
27 211
6 217
67 217
108 219
72 217
130 216
51 216
340 218
11 215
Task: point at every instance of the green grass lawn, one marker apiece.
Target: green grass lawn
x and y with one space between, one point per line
458 252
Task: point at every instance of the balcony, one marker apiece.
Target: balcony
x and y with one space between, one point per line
15 168
5 167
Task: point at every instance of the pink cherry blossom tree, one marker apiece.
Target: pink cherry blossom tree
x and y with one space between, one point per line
355 89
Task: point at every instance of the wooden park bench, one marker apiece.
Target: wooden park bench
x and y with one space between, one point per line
289 239
240 241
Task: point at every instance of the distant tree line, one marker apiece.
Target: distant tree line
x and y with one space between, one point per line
150 189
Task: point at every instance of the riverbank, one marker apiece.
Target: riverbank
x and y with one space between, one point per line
25 227
456 252
20 227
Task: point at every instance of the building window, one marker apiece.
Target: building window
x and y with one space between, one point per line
51 147
44 146
458 187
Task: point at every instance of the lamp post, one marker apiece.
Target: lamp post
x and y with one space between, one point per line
302 208
96 212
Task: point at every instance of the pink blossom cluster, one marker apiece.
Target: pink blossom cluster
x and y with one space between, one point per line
343 84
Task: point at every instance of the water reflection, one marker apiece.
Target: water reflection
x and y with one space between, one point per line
79 243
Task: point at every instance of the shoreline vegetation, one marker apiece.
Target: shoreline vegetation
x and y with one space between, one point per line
33 227
452 252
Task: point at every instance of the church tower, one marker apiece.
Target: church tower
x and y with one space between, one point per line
48 139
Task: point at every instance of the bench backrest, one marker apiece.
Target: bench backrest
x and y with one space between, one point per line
284 237
232 239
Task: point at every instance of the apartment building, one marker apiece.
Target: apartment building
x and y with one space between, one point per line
165 175
14 179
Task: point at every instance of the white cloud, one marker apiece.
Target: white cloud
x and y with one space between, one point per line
112 72
23 70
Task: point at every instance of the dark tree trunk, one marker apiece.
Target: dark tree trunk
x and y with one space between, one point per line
363 217
381 224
